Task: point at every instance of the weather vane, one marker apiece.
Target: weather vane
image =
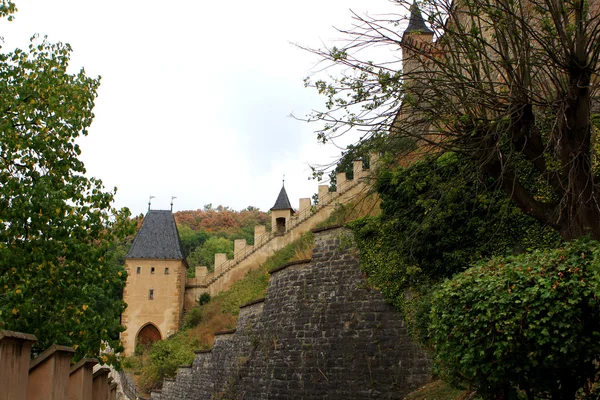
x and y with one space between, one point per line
172 198
149 202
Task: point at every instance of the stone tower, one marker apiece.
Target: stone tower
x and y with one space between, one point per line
417 37
281 212
417 45
155 286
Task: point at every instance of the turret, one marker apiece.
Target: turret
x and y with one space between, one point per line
281 212
416 36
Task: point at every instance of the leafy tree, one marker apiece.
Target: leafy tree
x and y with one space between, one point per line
56 225
191 239
529 322
505 83
205 255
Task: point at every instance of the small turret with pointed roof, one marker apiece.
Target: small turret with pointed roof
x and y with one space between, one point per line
281 212
416 24
416 39
282 202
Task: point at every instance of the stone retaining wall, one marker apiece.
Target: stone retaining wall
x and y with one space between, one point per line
320 333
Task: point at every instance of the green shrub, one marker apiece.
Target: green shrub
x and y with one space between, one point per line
203 299
438 218
167 355
193 318
528 323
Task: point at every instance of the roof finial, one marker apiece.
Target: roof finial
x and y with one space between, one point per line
283 184
172 198
150 201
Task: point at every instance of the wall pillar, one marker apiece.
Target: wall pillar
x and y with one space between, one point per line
112 390
201 273
304 205
259 231
81 378
340 179
49 374
373 160
100 384
357 168
15 349
220 258
323 192
238 245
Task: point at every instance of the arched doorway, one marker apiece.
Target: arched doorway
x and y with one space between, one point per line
148 335
280 223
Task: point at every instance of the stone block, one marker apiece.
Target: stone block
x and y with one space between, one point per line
81 378
357 169
100 387
49 374
15 349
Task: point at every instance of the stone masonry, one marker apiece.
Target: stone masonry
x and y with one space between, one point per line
320 333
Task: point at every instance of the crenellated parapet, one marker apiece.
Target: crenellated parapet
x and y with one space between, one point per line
304 218
49 376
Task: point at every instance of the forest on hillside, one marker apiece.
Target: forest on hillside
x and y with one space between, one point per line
205 232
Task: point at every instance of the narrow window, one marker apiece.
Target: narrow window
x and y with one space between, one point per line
139 270
166 271
152 270
151 294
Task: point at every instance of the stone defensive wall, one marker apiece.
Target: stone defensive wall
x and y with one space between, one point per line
321 332
50 375
248 257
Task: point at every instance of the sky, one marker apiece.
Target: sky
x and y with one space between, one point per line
196 97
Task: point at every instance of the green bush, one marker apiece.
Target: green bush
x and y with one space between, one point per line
438 218
528 323
193 318
167 355
203 299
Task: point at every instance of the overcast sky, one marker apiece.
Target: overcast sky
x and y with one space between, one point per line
195 98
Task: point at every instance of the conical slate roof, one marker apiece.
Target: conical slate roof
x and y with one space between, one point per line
416 22
282 202
157 238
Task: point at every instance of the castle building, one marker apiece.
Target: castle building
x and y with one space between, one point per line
158 292
155 287
281 212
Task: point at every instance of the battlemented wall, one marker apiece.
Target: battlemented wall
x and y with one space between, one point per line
320 333
248 257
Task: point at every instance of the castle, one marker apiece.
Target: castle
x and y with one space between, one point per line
158 292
